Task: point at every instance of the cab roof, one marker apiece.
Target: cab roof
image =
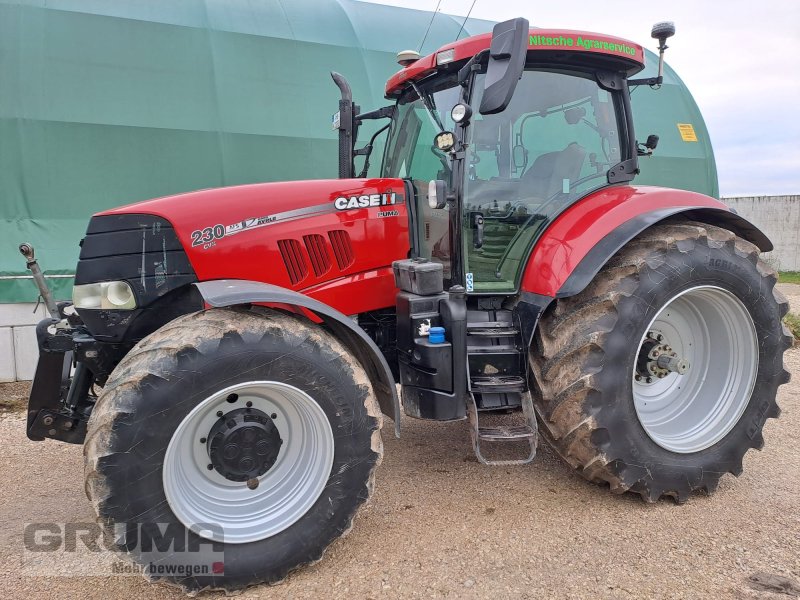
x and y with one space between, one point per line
629 55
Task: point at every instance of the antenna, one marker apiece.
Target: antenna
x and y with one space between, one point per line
425 37
469 12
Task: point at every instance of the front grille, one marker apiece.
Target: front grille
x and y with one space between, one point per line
143 250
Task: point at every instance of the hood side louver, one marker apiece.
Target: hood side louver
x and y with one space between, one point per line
342 248
292 254
318 253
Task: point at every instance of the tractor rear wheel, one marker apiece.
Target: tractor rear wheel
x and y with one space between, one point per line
232 446
659 376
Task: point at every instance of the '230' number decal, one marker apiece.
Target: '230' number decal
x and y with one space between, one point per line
209 234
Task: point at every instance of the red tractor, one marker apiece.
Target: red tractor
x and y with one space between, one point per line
228 353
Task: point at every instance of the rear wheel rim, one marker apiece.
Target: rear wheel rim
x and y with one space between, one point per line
712 329
229 511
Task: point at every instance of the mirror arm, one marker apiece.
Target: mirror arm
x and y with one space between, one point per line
366 151
651 81
385 112
473 64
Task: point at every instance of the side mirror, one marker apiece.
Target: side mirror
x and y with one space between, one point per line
506 63
647 148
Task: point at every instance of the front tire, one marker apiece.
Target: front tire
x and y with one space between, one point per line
250 435
698 295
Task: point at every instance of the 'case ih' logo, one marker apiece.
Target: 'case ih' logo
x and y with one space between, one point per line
366 201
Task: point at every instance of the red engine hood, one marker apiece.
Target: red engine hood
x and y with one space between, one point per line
334 239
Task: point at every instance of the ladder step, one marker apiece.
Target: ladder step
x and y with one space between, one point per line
503 349
525 435
503 434
493 331
483 324
499 384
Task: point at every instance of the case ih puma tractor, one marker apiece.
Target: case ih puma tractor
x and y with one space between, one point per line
229 353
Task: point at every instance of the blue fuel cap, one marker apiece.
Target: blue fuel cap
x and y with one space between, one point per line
436 335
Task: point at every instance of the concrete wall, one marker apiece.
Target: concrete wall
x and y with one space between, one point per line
779 218
18 349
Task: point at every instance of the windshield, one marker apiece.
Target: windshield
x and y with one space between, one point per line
410 154
554 143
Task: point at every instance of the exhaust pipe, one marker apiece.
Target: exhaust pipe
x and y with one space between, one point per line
344 121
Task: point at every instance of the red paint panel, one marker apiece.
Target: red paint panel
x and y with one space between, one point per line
364 241
539 39
578 229
358 293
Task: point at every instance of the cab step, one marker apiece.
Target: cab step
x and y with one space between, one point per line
492 329
501 384
515 433
506 433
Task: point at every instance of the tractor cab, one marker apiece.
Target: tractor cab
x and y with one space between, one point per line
494 137
498 134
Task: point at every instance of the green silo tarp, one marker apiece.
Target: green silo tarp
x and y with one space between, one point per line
104 103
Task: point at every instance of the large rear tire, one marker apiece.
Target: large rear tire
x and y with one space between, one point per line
699 296
250 435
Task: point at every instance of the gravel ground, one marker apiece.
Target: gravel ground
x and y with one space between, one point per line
441 525
792 293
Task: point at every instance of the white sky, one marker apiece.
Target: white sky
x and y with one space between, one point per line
739 58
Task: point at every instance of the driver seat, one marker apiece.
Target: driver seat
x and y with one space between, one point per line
545 178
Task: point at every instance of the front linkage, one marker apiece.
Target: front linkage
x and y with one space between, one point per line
70 363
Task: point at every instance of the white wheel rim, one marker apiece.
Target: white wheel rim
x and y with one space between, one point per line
223 510
711 328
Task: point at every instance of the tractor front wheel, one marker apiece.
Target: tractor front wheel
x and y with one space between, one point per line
659 376
232 446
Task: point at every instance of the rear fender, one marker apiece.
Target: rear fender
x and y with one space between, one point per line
230 292
586 235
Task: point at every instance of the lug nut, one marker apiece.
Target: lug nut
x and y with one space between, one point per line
649 380
638 377
219 413
273 416
252 483
659 337
210 467
48 420
202 440
248 404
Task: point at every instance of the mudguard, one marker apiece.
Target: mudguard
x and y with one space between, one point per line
585 236
229 292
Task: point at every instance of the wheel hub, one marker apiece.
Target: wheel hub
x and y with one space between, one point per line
685 407
243 444
657 359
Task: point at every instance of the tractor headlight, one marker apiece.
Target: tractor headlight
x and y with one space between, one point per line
105 294
461 113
